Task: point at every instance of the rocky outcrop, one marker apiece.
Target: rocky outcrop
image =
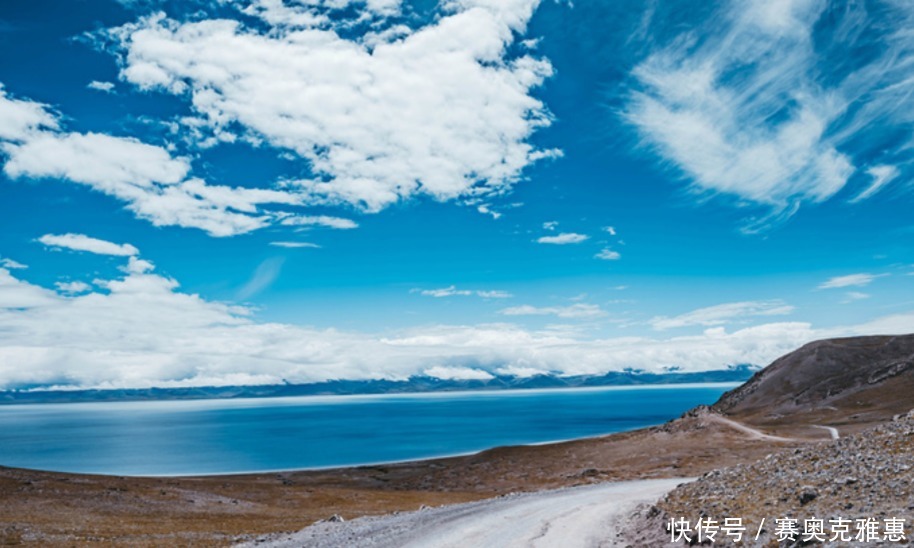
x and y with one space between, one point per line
869 475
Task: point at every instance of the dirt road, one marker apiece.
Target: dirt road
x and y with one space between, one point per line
573 517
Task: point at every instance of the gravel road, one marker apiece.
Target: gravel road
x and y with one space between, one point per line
573 517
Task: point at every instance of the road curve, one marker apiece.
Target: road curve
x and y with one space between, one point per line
585 516
832 431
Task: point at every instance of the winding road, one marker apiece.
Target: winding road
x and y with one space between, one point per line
586 516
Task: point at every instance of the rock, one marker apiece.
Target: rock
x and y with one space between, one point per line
807 494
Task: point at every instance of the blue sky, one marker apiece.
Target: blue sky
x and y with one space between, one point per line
217 192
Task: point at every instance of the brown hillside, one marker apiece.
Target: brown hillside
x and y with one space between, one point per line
851 382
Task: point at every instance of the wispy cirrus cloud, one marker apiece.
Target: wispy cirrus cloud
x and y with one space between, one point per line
574 311
320 220
295 245
850 280
564 238
453 291
882 175
81 242
264 275
12 265
723 314
761 101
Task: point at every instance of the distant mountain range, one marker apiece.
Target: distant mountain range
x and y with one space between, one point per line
736 373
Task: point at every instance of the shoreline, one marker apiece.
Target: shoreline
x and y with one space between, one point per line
60 509
407 446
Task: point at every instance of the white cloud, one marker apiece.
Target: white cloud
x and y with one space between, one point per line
443 110
12 265
563 238
452 291
312 13
494 294
72 287
80 242
106 87
851 280
146 177
852 296
754 105
882 175
109 164
610 229
722 314
485 209
608 254
458 373
17 294
295 245
264 275
143 331
19 119
576 311
320 220
550 225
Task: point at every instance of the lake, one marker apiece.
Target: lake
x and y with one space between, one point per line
257 435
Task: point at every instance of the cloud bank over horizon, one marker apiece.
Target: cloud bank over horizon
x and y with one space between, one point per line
140 330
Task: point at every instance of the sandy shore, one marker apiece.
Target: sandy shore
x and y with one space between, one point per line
585 516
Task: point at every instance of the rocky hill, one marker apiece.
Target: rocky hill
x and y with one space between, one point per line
851 383
862 389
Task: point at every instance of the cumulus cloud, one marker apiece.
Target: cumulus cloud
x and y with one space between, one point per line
722 314
575 311
608 254
17 294
754 105
148 178
105 162
141 330
444 110
106 87
452 291
81 242
850 280
72 287
563 239
22 119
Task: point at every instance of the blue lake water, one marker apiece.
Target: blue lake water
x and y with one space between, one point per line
227 436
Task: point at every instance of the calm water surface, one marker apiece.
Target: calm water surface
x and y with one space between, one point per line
225 436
